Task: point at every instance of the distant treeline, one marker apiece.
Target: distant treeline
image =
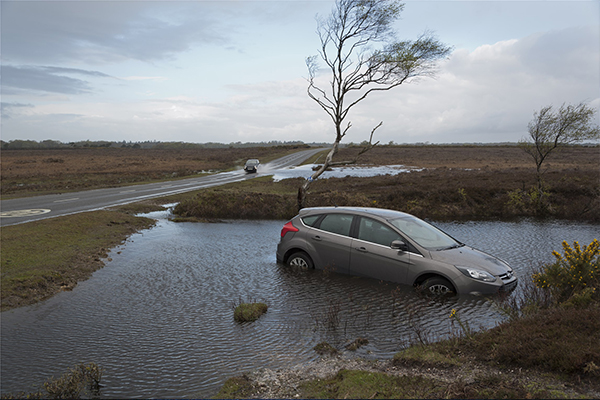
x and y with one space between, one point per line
55 144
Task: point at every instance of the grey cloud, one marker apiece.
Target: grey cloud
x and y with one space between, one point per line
6 108
104 32
563 53
46 79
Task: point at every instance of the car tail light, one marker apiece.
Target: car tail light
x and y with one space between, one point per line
289 227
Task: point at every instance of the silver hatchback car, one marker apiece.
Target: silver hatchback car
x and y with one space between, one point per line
391 246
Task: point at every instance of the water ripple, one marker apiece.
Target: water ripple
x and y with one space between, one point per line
159 318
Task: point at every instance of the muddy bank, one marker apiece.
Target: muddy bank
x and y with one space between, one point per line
471 379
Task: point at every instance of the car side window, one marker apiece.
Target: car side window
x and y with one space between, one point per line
310 220
337 223
375 232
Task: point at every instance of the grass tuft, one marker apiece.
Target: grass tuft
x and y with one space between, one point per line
238 387
248 312
325 348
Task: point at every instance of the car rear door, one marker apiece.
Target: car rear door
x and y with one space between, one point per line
372 256
332 242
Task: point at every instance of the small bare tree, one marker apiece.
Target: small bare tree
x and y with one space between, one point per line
551 129
359 49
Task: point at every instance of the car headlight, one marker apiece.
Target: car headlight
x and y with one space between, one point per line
477 274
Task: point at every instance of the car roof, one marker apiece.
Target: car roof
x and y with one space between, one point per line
380 212
252 160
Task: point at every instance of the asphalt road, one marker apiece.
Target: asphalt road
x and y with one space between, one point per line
18 211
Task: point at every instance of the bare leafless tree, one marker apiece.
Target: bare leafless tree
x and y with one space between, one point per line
551 129
360 50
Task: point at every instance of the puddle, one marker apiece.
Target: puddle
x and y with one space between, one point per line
305 171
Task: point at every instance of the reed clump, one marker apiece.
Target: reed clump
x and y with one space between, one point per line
249 312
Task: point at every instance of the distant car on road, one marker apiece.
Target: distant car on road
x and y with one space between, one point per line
392 246
251 165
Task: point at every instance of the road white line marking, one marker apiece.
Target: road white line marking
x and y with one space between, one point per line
65 200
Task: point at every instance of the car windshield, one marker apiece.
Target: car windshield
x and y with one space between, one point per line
424 234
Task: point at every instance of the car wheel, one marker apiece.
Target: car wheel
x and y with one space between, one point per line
438 286
301 260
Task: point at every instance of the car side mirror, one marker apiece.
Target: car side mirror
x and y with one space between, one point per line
399 245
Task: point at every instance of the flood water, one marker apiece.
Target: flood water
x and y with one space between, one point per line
159 319
361 171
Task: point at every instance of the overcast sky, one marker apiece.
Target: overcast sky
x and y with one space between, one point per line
228 71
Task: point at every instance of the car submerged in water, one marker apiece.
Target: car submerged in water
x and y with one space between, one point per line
251 165
391 246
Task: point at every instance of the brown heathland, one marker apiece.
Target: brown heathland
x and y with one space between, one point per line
463 181
26 172
457 182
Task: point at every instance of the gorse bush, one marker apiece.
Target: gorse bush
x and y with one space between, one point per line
575 275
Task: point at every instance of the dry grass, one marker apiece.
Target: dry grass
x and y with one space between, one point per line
473 157
26 172
565 340
459 183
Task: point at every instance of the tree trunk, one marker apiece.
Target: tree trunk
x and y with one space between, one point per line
329 161
304 187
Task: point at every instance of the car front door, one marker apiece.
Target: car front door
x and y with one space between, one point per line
372 255
331 241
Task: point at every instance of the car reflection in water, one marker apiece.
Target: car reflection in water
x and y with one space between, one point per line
391 246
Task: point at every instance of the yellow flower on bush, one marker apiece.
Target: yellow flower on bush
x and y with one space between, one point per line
574 270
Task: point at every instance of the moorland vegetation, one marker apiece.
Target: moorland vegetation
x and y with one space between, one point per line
547 347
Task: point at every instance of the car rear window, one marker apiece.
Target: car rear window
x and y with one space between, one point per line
337 223
310 220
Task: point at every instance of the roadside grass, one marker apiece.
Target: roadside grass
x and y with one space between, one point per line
142 207
41 258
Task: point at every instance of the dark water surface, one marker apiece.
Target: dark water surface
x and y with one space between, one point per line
159 320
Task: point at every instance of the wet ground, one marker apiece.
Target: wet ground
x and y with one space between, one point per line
305 171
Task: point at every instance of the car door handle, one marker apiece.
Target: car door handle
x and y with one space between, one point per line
361 249
317 238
